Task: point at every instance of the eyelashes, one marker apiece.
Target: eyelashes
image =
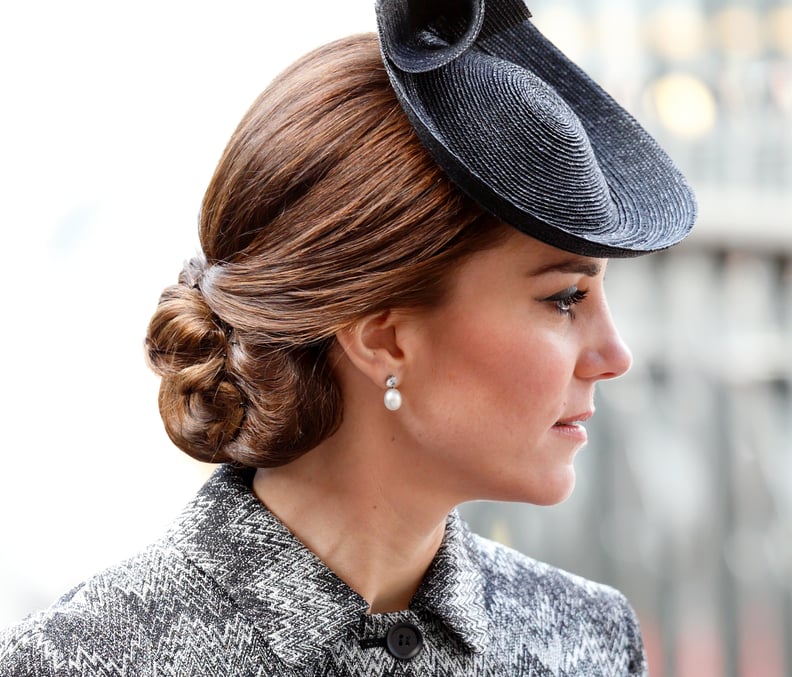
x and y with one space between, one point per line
566 300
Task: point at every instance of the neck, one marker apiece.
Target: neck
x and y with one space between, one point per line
359 513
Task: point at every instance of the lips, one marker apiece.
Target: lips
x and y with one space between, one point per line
576 419
572 429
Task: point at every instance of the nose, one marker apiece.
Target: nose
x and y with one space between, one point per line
605 354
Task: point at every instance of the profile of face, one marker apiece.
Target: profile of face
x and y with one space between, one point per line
499 379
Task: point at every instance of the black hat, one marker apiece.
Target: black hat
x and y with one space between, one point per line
526 133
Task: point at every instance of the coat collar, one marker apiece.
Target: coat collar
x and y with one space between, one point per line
290 594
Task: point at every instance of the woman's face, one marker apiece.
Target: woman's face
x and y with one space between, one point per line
501 376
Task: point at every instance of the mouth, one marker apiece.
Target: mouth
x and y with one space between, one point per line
574 421
572 428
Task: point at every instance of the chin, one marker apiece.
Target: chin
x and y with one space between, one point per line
551 490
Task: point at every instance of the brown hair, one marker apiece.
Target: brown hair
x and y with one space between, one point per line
324 208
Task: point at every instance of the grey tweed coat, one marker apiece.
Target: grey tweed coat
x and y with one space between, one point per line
229 591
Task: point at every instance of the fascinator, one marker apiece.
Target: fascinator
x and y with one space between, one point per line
526 133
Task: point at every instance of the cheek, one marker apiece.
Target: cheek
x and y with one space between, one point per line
480 378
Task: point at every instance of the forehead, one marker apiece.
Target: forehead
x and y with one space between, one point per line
533 258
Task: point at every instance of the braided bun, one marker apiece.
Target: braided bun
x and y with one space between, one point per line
187 345
226 399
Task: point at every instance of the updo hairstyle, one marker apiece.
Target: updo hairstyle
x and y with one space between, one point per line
324 208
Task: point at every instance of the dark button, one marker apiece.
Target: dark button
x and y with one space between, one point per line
404 641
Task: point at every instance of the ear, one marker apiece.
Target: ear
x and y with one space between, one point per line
372 346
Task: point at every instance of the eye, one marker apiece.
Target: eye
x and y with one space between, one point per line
566 300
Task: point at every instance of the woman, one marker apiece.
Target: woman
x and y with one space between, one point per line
398 307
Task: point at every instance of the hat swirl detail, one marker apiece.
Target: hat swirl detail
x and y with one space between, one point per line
416 37
422 35
526 133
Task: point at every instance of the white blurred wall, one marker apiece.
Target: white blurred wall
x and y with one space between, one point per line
112 120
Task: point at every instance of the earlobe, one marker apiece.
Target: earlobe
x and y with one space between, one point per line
372 346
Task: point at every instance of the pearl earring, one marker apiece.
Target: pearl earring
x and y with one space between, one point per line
393 398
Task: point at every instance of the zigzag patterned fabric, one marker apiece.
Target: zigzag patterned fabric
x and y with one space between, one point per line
228 590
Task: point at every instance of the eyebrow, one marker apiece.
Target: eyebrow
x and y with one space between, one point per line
571 265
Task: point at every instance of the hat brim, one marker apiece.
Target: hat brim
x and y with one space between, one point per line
529 136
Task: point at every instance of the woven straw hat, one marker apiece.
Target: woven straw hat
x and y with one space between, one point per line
524 132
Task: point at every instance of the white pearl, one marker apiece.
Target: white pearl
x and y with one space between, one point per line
393 399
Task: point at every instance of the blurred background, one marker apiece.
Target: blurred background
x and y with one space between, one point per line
113 119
